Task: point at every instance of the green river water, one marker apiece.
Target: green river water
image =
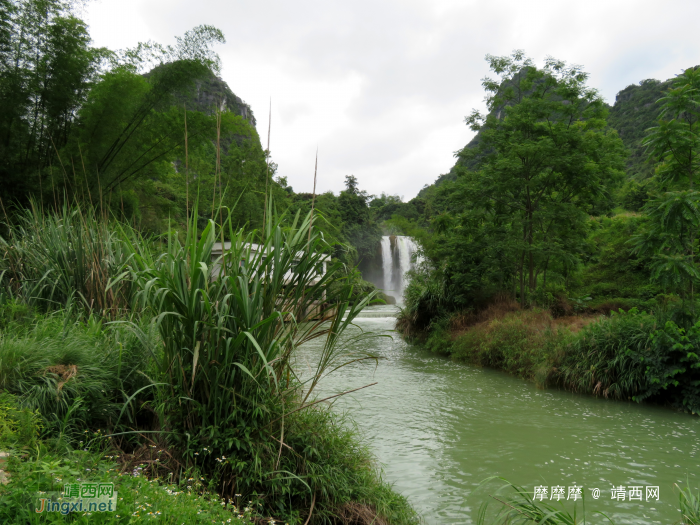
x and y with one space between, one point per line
440 428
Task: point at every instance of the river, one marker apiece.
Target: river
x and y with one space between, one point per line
439 428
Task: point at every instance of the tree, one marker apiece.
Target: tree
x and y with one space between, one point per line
675 210
81 121
544 159
358 228
47 67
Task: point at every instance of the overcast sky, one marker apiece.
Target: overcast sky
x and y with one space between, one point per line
382 86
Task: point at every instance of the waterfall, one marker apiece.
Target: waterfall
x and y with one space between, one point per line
387 262
397 252
405 248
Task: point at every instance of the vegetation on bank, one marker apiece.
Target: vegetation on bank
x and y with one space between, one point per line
111 317
538 214
138 339
631 355
39 470
106 329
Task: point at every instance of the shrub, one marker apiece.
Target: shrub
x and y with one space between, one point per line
19 427
606 358
628 356
209 376
225 388
526 343
672 368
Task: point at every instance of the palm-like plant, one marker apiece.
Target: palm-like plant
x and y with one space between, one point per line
675 214
230 327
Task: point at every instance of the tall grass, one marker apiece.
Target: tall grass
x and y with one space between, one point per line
689 504
607 359
51 259
73 373
517 506
525 343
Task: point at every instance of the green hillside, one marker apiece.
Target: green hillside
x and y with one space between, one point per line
633 113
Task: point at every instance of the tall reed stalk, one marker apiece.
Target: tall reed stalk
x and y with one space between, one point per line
230 328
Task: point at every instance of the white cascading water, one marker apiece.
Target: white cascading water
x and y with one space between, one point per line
387 262
396 261
405 248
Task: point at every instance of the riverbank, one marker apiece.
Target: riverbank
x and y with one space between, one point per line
440 428
69 385
631 355
140 342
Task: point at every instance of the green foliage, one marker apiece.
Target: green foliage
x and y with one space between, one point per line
427 301
51 260
674 213
673 368
47 70
525 344
346 222
14 312
517 505
544 158
689 504
628 356
634 195
634 112
140 500
363 234
141 133
73 375
224 384
84 124
516 213
210 374
606 359
334 462
478 251
611 267
624 356
18 426
386 207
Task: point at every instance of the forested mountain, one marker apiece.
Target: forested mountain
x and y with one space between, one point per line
634 111
211 93
143 134
147 132
562 205
600 205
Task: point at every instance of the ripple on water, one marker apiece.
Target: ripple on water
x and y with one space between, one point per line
440 428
